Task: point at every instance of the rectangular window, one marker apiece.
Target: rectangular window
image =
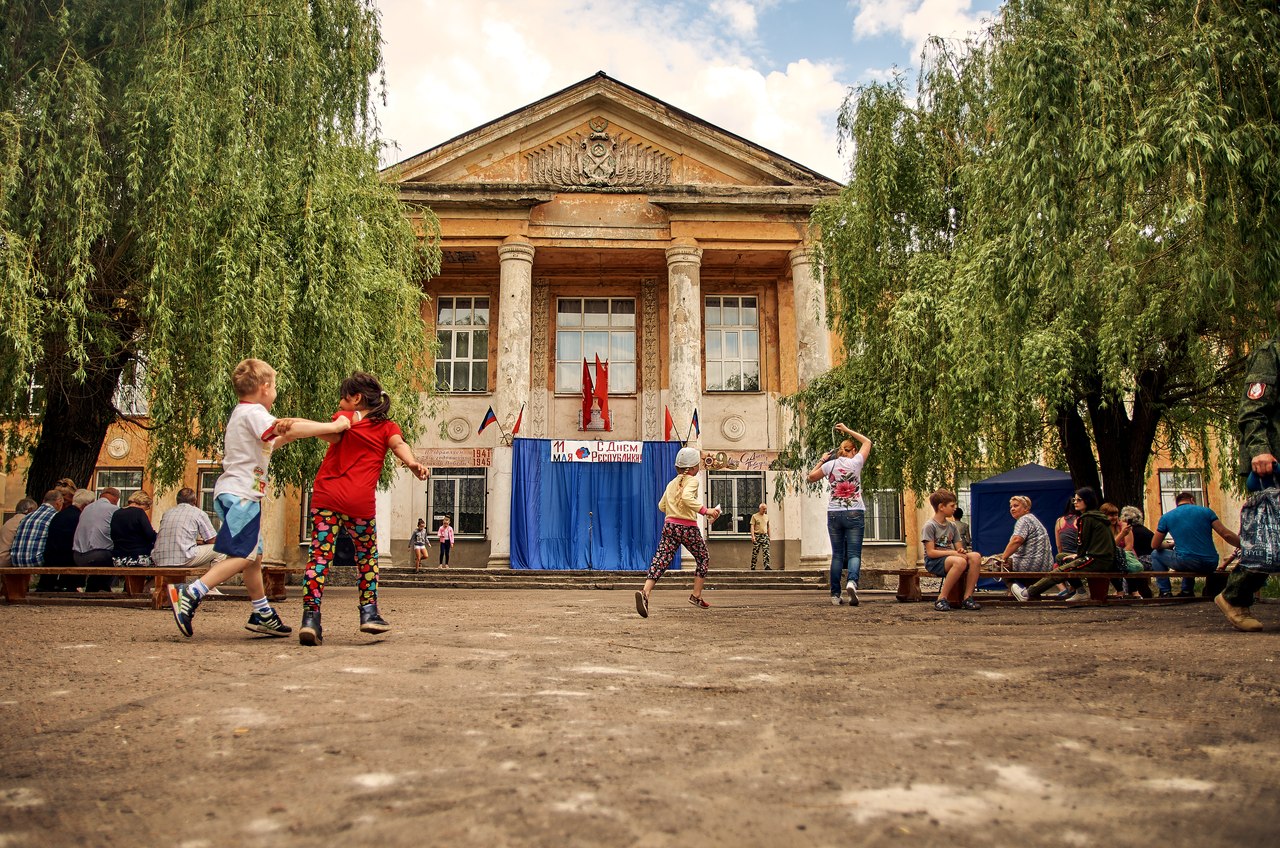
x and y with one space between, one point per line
127 480
460 494
462 328
591 327
1176 480
732 339
131 391
738 494
205 481
884 515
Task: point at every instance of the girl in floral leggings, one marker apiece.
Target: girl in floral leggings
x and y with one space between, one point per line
343 499
682 505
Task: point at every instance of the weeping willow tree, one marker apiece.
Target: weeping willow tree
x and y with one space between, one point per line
1067 238
185 183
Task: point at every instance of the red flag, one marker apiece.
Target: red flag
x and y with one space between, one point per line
670 426
587 392
516 429
602 390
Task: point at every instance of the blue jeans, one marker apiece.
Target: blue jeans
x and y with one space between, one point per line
844 527
1168 560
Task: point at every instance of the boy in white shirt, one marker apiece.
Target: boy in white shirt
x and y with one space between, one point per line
252 433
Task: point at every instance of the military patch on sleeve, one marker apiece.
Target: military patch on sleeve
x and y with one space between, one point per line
1256 390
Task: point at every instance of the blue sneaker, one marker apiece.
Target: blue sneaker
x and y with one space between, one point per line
184 607
268 625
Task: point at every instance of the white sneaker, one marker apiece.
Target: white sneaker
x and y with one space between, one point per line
835 600
852 591
1019 592
1080 595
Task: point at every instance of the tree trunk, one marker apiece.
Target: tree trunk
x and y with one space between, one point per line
1077 448
75 423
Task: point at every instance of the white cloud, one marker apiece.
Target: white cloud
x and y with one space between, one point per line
915 20
452 66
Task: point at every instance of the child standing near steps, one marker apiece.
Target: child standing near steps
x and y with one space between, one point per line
343 498
418 544
252 434
682 505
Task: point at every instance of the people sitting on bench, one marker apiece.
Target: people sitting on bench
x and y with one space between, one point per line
1096 551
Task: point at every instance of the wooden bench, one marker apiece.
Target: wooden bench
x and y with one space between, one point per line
14 582
1098 582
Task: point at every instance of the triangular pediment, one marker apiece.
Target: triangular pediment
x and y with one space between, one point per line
602 135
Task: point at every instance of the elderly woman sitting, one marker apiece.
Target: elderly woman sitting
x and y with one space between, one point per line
1028 548
132 536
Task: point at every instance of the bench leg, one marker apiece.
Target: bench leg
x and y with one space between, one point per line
276 586
160 593
15 587
908 587
135 585
1098 588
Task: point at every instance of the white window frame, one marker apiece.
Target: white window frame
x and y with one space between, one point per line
619 323
878 526
1174 480
126 490
475 361
725 344
735 521
455 476
206 479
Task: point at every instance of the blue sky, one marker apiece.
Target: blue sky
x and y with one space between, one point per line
772 71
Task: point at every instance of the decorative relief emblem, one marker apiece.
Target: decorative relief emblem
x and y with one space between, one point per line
458 429
600 160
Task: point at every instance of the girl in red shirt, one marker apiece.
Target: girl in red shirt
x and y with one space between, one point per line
343 499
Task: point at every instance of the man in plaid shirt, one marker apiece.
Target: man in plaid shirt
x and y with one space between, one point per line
186 535
33 532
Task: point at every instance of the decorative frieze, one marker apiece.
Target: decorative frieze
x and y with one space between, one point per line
649 373
599 160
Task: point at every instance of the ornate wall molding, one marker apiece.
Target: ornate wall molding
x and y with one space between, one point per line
538 383
599 160
650 376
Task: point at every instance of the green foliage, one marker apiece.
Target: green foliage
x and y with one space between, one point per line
185 183
1068 238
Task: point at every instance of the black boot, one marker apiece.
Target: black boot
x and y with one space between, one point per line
370 621
310 632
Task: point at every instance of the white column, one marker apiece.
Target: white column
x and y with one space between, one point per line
684 329
515 334
814 359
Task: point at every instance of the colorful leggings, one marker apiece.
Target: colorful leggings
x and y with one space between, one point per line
673 536
325 524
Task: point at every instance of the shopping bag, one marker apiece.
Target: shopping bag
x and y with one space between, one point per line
1260 532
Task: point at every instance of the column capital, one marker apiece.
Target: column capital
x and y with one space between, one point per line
516 248
684 250
802 255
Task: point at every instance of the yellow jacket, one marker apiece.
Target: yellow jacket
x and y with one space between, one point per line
681 499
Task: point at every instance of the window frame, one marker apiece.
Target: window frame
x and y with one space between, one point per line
872 499
632 329
1167 503
470 330
456 476
125 491
720 328
734 509
211 475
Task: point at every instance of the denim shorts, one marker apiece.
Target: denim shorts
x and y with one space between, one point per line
936 566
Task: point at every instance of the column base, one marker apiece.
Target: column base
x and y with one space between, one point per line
499 561
815 561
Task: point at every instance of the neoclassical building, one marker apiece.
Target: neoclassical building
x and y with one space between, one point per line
602 221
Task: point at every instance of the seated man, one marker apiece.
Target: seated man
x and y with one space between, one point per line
32 535
62 531
186 536
91 545
25 507
1192 528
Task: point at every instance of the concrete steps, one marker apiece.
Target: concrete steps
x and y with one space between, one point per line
483 578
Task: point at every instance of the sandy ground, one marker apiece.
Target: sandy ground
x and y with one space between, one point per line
560 718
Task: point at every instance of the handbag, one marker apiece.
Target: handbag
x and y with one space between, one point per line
1132 564
1260 532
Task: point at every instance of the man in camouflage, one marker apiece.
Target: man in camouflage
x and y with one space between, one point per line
1259 423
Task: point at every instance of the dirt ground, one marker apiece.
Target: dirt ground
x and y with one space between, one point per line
560 718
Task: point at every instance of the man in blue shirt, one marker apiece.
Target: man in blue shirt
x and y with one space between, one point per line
1192 528
33 533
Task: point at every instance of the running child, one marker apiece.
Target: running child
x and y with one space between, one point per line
682 505
418 542
251 436
343 498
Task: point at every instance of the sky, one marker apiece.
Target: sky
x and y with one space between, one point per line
772 71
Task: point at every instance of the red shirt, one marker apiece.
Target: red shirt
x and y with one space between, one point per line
348 476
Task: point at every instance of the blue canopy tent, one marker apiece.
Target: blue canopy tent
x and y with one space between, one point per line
989 519
578 515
